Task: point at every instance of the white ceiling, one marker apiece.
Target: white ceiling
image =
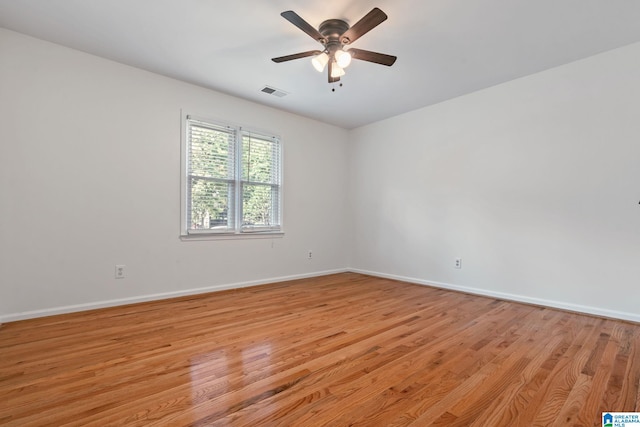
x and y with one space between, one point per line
445 48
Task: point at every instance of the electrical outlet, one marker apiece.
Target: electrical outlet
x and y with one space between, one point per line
120 271
310 254
458 263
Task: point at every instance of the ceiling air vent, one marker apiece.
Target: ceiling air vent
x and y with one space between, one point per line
273 91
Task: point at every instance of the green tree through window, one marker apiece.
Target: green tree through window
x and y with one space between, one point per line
260 177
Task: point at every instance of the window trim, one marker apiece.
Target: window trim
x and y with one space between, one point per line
239 232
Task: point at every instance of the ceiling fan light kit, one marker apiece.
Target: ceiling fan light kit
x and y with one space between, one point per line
343 59
334 35
320 61
337 72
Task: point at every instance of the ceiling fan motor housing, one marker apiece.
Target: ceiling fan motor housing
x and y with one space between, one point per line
331 30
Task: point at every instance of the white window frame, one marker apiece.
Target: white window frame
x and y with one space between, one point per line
238 230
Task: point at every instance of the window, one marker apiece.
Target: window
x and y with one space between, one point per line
231 180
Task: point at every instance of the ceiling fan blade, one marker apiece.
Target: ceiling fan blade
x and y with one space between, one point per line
296 56
363 26
332 79
296 20
367 55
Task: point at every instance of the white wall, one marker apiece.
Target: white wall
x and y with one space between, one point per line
534 183
90 178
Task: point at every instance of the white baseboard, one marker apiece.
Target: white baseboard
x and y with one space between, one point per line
12 317
632 317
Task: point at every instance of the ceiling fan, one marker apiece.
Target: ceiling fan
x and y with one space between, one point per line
334 35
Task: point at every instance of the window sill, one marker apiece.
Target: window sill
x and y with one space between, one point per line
231 236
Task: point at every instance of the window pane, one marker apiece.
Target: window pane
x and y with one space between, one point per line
260 159
211 152
232 177
209 204
260 206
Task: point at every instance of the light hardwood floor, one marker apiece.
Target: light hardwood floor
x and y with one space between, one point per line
338 350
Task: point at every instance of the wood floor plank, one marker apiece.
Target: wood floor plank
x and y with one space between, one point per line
490 380
438 347
343 349
590 408
631 384
549 398
568 415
